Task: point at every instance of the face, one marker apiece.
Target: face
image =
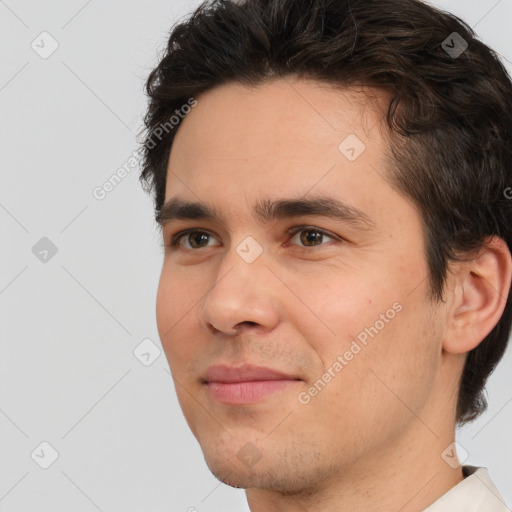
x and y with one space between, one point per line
334 300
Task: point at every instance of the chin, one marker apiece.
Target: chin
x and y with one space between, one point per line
276 474
229 470
233 478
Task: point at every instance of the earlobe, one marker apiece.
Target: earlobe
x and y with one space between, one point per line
478 298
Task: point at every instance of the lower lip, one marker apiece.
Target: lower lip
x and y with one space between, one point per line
246 392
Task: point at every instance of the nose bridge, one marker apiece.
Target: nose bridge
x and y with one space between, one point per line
243 290
244 261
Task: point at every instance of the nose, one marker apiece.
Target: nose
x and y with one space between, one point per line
243 297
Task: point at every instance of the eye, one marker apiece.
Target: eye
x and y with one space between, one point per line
305 236
311 236
192 239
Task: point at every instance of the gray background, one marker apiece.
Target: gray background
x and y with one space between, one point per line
70 324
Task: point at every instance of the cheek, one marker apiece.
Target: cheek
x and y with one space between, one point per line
178 292
174 312
383 325
166 305
379 382
376 326
340 309
367 301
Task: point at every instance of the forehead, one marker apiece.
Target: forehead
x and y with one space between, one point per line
291 135
240 122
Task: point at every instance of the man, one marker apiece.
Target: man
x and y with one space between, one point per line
331 181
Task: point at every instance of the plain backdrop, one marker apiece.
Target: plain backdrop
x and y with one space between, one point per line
78 275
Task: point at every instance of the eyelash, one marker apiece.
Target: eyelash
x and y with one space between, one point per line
174 243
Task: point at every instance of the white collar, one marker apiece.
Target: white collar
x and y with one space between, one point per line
476 493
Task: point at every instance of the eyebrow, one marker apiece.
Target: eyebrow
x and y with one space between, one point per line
268 210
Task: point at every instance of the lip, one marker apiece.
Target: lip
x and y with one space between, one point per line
244 373
245 384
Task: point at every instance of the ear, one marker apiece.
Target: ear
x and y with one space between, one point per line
477 296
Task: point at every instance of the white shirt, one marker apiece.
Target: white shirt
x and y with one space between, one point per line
476 493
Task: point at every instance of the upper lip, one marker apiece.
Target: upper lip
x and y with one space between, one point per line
243 373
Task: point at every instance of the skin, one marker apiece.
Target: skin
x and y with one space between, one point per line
372 438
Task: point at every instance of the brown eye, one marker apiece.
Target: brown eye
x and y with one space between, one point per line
198 239
311 237
190 240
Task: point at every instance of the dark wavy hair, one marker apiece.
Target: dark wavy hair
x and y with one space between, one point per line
449 117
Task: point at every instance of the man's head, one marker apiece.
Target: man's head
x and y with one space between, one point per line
356 234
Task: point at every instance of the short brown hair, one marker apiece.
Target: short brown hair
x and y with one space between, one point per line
449 119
